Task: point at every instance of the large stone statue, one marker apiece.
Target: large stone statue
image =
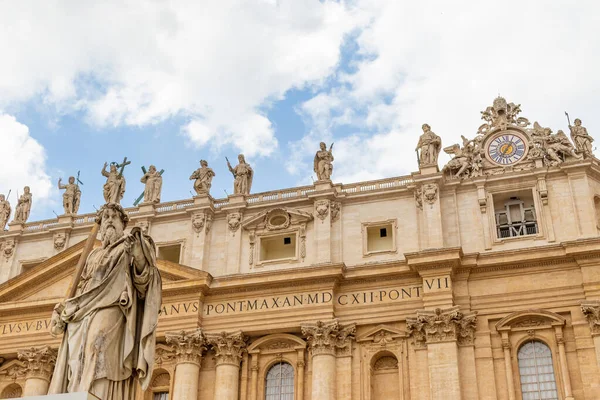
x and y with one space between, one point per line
23 206
4 212
323 163
71 196
109 326
558 148
202 178
153 181
583 141
243 175
114 188
430 145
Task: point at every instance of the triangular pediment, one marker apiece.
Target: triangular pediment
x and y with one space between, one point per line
51 278
381 333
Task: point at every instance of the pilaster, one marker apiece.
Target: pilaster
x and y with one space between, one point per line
441 332
235 213
39 364
591 310
201 214
228 348
188 347
324 210
324 339
428 187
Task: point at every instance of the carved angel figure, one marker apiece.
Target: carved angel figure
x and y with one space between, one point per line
463 157
71 196
323 162
4 212
429 145
23 206
203 177
581 138
243 175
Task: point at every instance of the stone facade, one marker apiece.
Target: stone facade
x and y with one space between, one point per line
428 286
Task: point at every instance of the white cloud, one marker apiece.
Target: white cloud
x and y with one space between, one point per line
216 63
443 62
23 163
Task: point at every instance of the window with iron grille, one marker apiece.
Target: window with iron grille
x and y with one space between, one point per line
280 382
537 372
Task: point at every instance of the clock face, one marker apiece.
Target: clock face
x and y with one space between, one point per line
506 149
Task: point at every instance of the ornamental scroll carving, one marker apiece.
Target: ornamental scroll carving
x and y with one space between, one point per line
198 222
591 310
430 192
228 346
442 326
322 209
328 337
335 210
38 361
188 346
60 239
234 220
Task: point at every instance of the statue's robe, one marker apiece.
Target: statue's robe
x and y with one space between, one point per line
111 324
114 188
153 187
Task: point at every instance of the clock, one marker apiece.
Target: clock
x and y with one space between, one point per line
506 148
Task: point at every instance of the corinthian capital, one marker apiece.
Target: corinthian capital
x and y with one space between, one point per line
326 337
187 345
228 347
443 326
38 362
591 310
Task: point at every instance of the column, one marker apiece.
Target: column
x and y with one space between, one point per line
228 348
564 368
323 339
510 383
188 348
441 331
39 364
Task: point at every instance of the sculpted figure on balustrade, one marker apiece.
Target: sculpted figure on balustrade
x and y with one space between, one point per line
323 162
243 175
23 206
581 138
152 180
114 188
71 196
4 212
202 178
428 147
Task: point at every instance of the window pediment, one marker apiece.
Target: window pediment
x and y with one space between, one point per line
276 219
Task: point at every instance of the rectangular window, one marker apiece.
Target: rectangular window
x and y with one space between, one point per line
515 214
379 237
170 253
278 247
161 395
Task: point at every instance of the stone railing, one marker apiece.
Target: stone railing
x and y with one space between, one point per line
253 199
379 184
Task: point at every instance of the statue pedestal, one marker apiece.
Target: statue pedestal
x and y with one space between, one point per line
146 208
203 199
428 169
323 185
236 198
15 226
65 396
66 219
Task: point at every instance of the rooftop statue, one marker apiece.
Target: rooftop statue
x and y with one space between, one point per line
553 149
323 162
501 115
583 141
114 188
23 206
202 178
430 145
242 174
109 319
4 212
153 185
71 196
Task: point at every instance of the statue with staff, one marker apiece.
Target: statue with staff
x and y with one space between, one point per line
323 162
23 206
581 138
72 195
114 188
109 317
202 178
242 174
429 146
4 210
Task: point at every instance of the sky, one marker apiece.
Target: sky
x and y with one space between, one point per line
171 83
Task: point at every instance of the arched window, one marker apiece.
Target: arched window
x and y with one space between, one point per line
537 371
280 382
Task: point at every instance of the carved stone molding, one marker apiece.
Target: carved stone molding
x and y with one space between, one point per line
234 220
303 241
442 326
591 310
163 354
430 193
328 337
419 198
38 361
198 220
335 210
60 240
252 241
188 346
8 248
228 346
322 209
208 223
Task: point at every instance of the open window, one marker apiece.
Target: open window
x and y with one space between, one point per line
278 247
515 214
169 252
379 237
